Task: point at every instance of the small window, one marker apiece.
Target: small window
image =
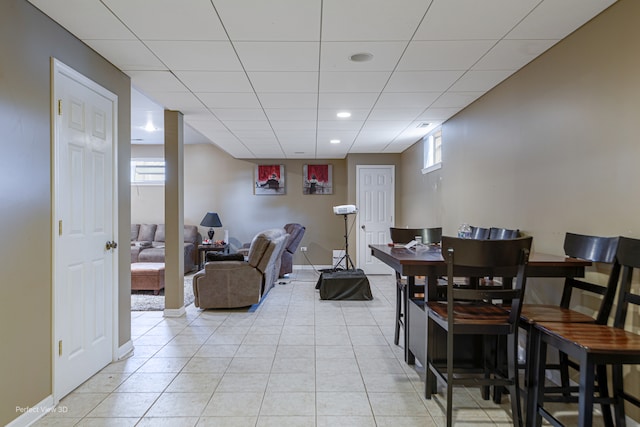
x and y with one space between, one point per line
147 172
432 145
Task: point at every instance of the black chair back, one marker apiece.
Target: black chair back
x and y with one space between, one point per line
405 235
496 233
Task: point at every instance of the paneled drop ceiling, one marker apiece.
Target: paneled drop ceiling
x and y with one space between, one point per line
266 78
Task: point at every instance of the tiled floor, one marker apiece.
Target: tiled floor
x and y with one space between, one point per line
295 361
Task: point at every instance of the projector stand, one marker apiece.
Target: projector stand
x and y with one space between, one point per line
345 257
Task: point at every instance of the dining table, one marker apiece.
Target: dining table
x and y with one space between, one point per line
427 261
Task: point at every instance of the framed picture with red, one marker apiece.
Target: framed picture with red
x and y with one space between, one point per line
317 179
269 180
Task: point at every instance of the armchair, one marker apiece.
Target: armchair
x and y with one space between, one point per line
231 284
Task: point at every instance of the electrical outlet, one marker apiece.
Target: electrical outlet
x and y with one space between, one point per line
303 249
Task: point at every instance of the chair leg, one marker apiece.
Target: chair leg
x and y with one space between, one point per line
564 373
512 372
585 399
449 379
603 392
396 338
618 393
535 395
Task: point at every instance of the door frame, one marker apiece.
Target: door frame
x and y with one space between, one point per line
360 256
59 68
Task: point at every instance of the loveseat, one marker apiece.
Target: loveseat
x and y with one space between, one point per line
232 283
148 244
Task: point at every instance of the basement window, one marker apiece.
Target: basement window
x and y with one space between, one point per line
147 172
432 145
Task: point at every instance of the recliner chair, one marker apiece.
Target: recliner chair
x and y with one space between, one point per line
296 231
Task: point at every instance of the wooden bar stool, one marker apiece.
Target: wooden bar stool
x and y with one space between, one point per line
593 346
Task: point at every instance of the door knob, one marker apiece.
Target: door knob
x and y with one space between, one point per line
363 227
111 245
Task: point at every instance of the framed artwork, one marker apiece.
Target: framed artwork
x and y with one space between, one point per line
270 179
317 179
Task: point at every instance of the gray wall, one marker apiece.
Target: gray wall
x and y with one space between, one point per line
28 39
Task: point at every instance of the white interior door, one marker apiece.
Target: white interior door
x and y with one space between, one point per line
376 211
84 279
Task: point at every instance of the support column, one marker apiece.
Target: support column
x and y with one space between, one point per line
174 214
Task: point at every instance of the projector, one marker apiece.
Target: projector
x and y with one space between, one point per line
345 209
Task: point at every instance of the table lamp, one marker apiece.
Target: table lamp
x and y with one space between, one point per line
211 219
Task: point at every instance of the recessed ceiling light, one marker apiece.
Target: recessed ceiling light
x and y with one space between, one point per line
361 57
344 114
335 141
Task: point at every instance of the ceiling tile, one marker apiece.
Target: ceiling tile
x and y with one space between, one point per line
513 54
395 113
437 114
422 81
275 20
273 81
196 55
229 100
371 20
278 56
239 114
347 101
289 114
335 56
345 81
557 19
290 138
282 125
472 19
169 20
353 125
97 21
128 54
236 125
156 81
288 100
443 55
406 99
215 81
381 126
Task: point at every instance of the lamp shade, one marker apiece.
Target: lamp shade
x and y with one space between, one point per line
211 219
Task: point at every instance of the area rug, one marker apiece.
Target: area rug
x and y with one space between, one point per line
147 301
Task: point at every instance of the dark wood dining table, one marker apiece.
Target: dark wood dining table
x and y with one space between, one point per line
428 261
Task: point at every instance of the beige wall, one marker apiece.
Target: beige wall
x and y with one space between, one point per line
214 181
28 39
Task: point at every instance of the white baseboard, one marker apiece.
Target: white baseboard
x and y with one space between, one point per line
125 350
175 312
31 414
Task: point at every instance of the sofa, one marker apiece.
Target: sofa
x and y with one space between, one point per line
148 244
233 282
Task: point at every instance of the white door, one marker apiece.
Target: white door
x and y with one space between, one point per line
376 210
84 279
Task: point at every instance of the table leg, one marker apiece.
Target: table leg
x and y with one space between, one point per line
408 354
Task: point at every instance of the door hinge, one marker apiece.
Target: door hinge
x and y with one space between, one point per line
59 107
60 228
60 348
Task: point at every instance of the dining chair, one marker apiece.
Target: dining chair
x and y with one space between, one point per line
429 236
601 250
593 345
496 233
479 233
478 312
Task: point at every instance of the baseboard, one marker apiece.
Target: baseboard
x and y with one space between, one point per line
125 350
175 312
31 414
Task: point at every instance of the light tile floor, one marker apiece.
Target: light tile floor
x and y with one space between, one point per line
294 361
